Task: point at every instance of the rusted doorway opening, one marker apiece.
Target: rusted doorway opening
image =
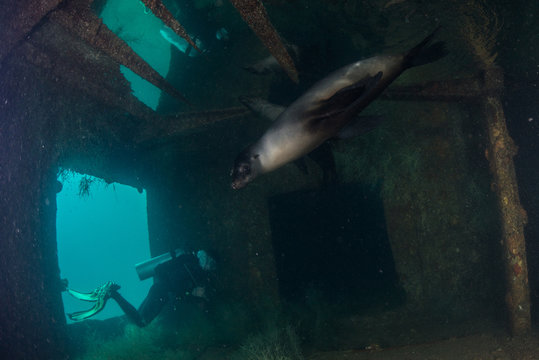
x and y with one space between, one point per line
333 242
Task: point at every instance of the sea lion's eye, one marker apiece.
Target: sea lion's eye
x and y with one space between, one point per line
245 168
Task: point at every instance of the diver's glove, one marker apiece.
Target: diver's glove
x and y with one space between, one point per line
64 284
99 295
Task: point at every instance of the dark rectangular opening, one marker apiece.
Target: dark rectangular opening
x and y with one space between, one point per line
333 241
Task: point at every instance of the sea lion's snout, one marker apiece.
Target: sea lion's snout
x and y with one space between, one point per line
244 170
241 175
237 185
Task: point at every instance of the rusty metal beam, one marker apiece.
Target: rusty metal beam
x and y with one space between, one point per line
254 14
68 60
18 18
160 10
78 18
166 128
456 90
500 153
472 89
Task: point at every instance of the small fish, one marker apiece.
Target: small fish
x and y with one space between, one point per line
393 2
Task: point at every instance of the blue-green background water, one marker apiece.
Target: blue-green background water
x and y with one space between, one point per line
139 28
101 237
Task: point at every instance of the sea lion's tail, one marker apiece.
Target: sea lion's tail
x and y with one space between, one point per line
423 53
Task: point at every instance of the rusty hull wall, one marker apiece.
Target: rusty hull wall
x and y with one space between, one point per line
32 322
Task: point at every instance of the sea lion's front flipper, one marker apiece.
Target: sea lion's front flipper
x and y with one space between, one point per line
370 84
344 103
262 107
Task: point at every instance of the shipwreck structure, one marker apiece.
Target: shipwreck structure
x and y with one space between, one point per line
447 186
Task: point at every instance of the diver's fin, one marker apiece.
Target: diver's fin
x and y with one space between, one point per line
83 296
359 126
262 107
99 295
85 314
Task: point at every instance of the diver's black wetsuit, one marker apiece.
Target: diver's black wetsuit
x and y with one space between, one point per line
177 277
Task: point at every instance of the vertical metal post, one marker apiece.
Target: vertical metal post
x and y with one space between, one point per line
501 150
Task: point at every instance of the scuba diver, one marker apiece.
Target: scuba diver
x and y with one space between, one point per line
177 275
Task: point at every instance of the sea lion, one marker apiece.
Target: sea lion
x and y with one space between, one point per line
326 109
322 155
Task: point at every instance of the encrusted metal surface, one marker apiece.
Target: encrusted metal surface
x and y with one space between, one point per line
160 10
254 13
77 17
18 18
500 154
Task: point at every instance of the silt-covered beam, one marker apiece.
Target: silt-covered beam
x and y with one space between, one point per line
455 90
160 10
167 128
254 13
18 18
500 153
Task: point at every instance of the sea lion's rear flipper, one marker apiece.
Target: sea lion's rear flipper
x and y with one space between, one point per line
344 103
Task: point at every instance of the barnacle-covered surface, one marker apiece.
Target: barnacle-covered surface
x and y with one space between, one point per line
481 30
66 59
18 18
513 217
